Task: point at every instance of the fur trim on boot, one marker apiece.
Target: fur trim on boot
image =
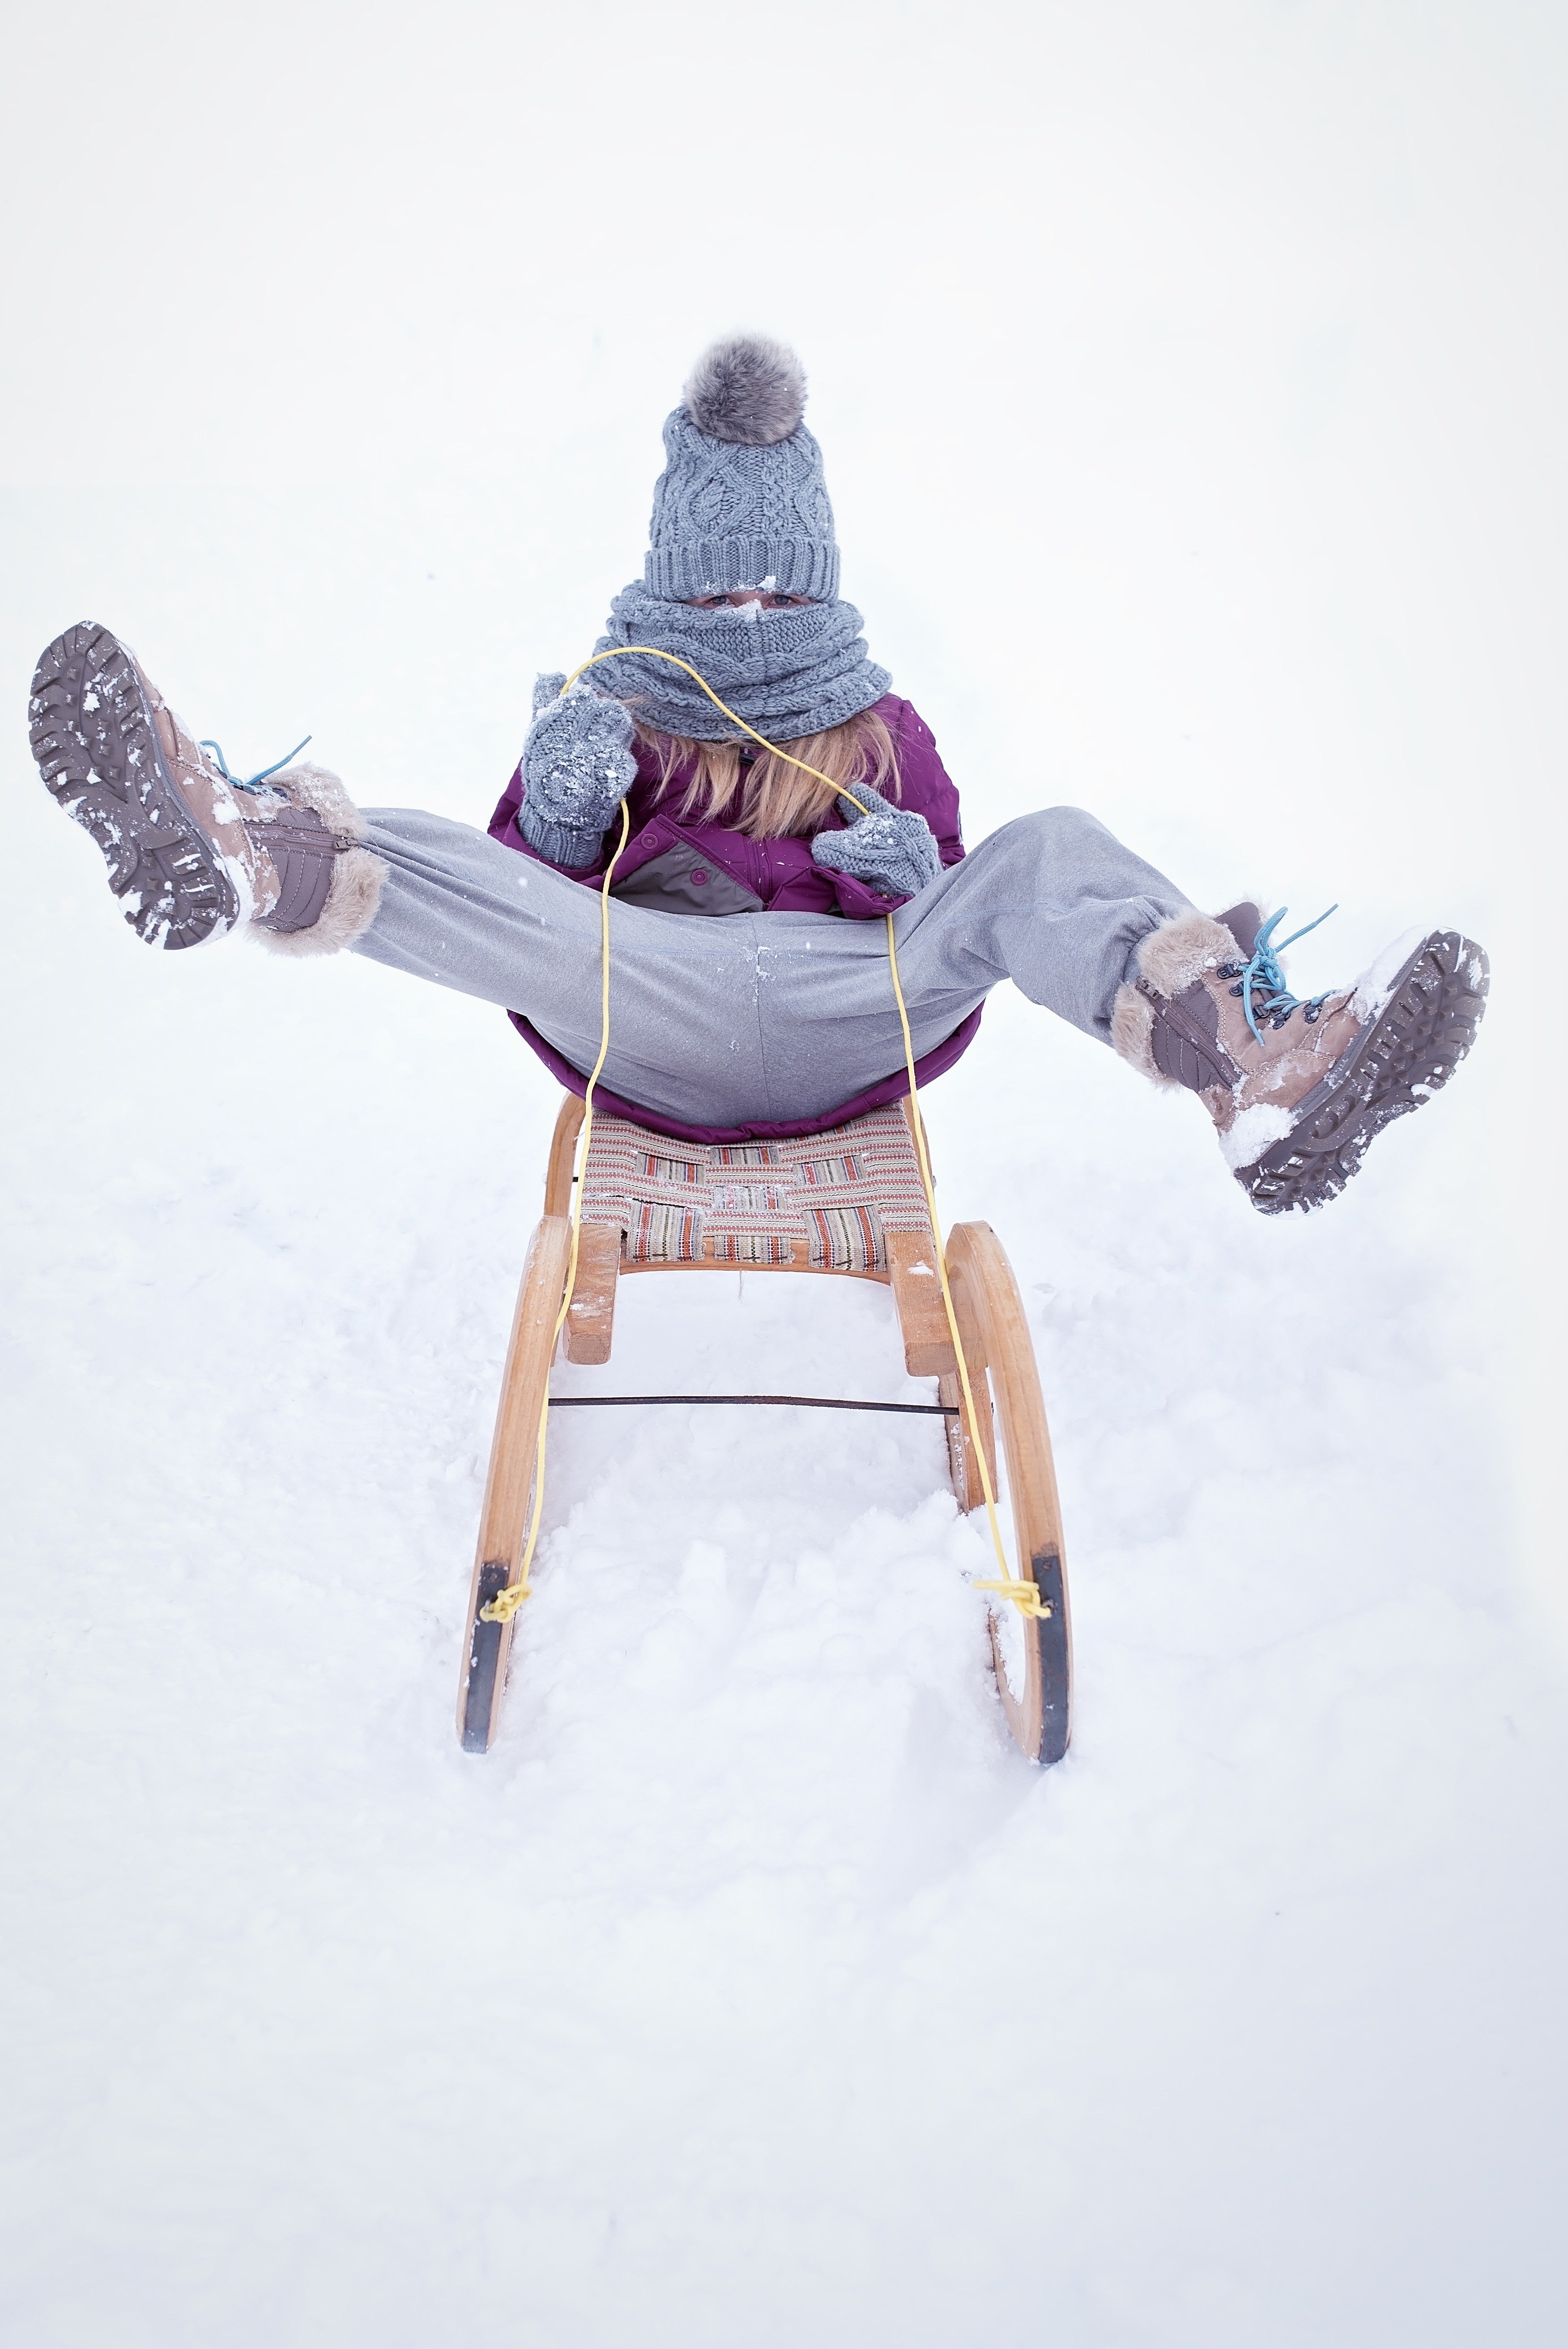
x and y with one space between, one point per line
1172 959
354 892
1132 1035
1180 951
317 788
357 879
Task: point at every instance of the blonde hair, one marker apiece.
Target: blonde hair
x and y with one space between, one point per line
768 798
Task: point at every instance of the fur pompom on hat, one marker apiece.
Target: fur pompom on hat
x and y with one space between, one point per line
746 390
741 502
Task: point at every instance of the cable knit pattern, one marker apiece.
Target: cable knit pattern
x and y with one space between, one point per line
893 849
787 673
729 516
578 764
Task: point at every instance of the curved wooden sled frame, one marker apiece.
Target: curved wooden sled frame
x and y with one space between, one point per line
1003 1375
1003 1378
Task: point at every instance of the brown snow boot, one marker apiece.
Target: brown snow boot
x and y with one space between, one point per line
1297 1091
193 852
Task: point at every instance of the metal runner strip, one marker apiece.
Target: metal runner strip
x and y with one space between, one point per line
805 1403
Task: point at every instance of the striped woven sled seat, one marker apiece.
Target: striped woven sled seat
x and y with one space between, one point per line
850 1202
827 1202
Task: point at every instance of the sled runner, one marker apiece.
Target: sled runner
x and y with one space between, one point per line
850 1203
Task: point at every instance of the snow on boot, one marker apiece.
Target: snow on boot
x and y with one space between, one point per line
1297 1090
193 853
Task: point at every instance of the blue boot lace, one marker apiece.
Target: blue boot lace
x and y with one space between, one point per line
1260 983
255 781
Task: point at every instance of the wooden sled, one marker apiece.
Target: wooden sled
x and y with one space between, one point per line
846 1204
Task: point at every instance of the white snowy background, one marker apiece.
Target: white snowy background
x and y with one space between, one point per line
1190 380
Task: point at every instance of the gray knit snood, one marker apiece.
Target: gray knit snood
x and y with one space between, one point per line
789 673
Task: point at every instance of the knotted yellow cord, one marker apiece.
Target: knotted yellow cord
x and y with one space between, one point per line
1017 1587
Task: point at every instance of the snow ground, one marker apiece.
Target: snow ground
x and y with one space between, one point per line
752 1990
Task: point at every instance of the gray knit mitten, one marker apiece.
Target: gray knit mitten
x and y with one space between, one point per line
578 765
891 848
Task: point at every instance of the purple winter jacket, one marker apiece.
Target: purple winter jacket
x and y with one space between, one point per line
782 875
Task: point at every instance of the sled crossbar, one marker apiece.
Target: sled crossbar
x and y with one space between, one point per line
805 1403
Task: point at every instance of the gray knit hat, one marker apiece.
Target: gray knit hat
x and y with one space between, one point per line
741 502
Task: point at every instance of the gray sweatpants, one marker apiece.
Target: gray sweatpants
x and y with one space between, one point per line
765 1017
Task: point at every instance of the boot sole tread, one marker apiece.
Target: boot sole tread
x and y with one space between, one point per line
1410 1052
97 748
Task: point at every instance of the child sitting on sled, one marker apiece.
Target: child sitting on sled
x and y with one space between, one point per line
748 943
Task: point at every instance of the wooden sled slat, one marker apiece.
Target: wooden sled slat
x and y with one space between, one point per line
921 1317
591 1316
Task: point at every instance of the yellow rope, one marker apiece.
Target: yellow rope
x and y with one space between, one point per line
1017 1587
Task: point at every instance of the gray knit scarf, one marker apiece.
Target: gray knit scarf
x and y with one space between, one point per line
789 673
